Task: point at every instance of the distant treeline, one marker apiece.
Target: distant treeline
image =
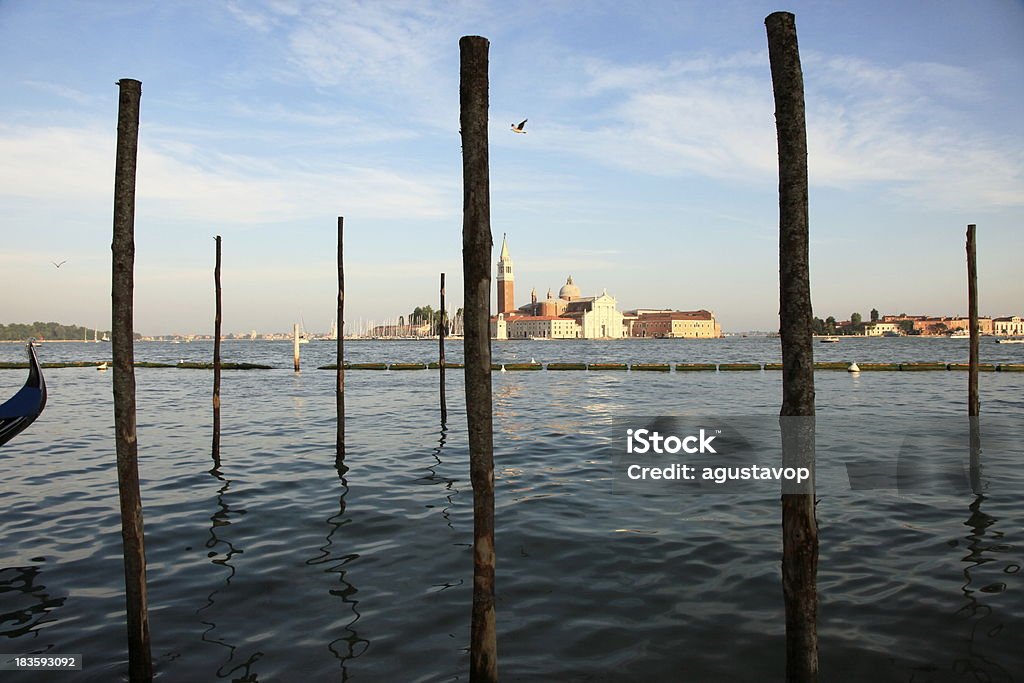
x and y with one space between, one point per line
38 330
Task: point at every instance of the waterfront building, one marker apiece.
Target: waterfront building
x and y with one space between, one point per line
672 324
1010 326
571 315
879 329
945 325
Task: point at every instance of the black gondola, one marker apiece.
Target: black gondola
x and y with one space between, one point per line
24 407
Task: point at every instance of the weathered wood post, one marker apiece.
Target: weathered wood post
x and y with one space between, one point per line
799 526
440 355
295 345
973 396
339 382
140 662
476 266
973 399
216 358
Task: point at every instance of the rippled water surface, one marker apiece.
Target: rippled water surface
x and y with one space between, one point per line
279 566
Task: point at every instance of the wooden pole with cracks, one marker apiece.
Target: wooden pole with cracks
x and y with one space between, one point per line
140 661
440 355
339 382
476 265
799 526
216 358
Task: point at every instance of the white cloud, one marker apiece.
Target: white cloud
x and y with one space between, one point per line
74 165
908 129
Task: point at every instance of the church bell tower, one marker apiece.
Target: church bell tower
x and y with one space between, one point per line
506 281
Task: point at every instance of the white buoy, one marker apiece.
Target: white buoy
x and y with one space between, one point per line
853 368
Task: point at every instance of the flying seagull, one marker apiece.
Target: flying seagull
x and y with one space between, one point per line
59 264
519 128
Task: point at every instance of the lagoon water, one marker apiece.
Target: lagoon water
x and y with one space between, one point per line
279 566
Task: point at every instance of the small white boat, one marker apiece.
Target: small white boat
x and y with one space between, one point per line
1009 341
829 340
960 334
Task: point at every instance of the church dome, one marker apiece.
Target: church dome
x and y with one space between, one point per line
569 291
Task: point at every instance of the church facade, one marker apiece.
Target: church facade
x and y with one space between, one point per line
573 316
567 316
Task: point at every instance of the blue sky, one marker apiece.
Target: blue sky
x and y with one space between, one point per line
649 168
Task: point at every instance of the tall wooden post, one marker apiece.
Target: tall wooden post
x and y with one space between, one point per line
339 383
216 358
476 266
973 399
440 355
295 345
799 527
973 395
140 662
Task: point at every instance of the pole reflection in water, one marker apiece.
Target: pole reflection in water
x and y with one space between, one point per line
222 518
31 617
349 645
434 478
982 543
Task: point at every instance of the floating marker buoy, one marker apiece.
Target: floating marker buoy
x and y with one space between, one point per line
853 368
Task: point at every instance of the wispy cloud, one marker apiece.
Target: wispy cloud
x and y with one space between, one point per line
908 129
179 181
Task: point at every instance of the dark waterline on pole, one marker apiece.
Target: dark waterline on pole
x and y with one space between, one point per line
476 265
440 355
799 526
140 662
216 359
339 383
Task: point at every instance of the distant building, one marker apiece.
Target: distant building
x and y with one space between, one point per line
878 329
945 325
573 316
506 280
1009 326
672 324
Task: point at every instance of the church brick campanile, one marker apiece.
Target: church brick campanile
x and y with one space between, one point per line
506 280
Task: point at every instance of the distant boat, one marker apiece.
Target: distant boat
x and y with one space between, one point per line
889 333
960 334
105 338
829 340
21 410
1009 341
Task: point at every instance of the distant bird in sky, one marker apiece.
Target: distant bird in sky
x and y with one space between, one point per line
59 264
519 128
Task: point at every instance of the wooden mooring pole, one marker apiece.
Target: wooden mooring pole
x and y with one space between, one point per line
216 358
339 383
973 395
476 266
799 526
140 662
973 399
295 345
440 354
